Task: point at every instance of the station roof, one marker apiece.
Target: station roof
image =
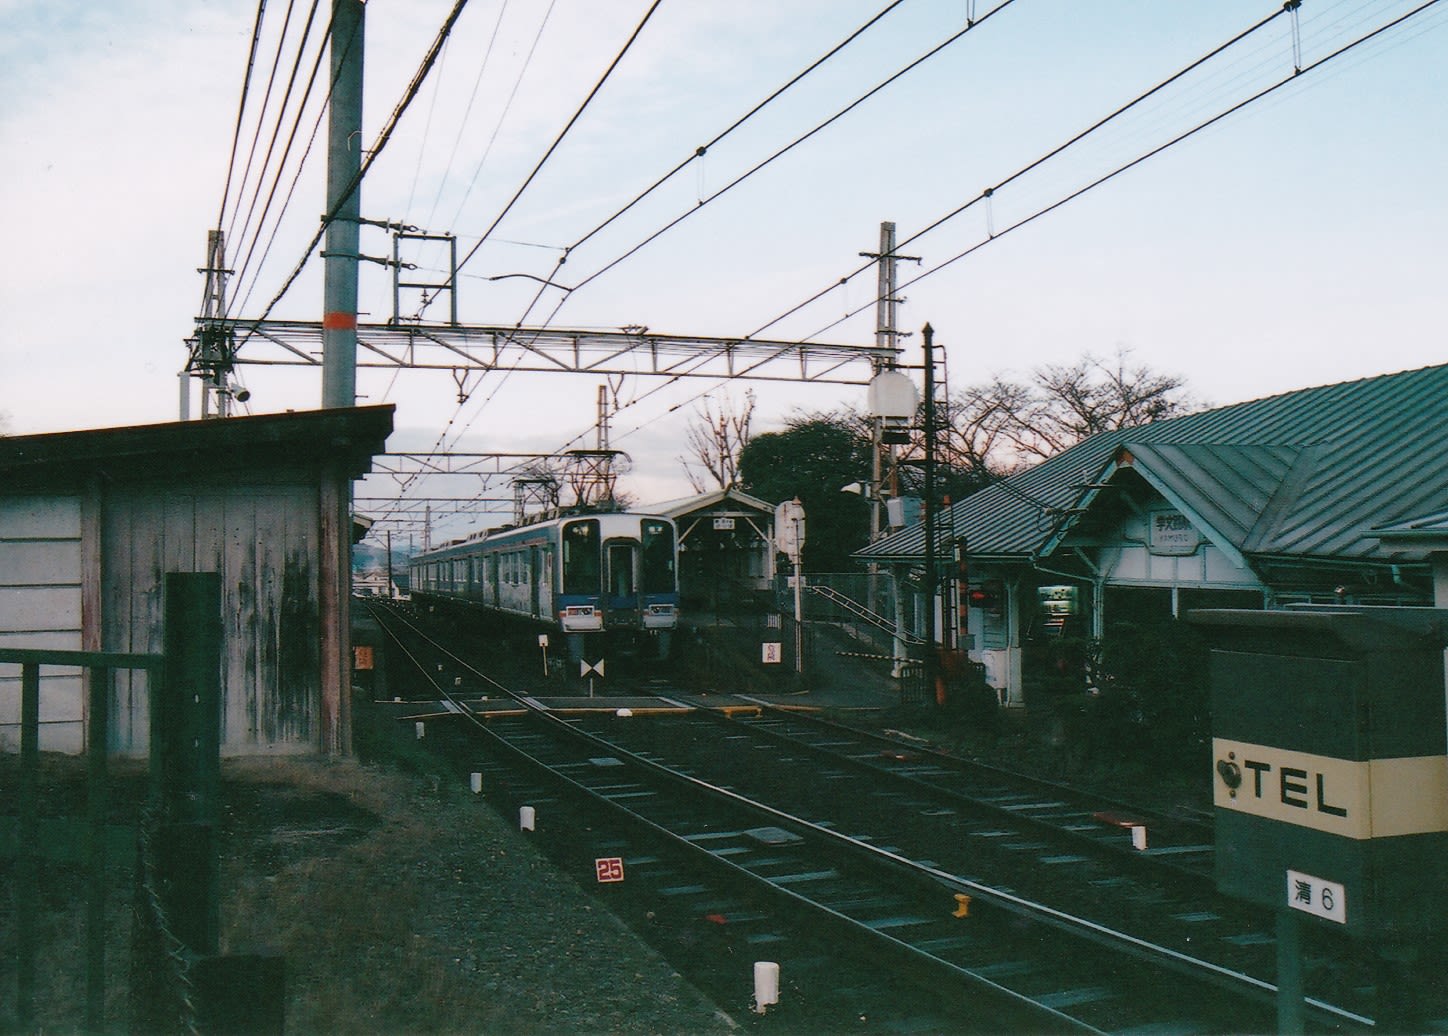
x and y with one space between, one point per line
346 436
1318 473
711 501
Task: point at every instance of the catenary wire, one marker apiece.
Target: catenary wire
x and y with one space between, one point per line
739 122
261 115
1140 159
374 152
276 129
795 143
282 164
241 111
556 142
1258 96
472 99
700 151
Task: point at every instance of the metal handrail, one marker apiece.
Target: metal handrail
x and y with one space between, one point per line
857 609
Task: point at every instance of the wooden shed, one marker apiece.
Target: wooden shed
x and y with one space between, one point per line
91 522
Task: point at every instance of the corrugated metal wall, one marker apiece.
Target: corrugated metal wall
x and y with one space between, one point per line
262 540
40 607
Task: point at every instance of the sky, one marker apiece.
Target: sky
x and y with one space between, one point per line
1298 242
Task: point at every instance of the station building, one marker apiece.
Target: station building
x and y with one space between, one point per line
1336 494
726 551
92 521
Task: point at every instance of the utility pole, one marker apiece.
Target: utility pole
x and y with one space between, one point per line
882 455
932 662
344 163
213 346
886 337
339 365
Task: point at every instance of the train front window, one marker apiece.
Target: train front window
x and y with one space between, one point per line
582 560
657 558
621 569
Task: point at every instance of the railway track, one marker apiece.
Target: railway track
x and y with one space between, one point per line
840 832
1021 838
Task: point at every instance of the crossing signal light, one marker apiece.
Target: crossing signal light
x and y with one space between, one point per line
987 597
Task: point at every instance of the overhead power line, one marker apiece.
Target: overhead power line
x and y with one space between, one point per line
701 150
971 24
276 129
375 151
286 155
452 281
990 191
1296 74
1267 91
797 141
260 115
241 110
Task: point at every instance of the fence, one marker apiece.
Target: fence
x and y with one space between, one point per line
61 838
178 981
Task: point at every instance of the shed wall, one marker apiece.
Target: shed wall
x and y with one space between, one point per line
40 607
263 542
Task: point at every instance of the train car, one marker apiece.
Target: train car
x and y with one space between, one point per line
605 581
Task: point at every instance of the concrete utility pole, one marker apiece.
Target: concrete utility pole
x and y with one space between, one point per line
339 365
344 162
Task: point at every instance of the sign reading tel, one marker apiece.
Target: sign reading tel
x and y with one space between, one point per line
1328 794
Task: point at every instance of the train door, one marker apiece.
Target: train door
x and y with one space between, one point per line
622 580
535 578
491 593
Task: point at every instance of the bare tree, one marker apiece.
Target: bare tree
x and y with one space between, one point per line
1006 424
715 439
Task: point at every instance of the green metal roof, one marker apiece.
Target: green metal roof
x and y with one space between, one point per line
1307 474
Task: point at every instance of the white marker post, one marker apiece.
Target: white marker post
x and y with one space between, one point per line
766 985
587 669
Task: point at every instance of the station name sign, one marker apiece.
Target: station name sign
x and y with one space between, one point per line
1359 799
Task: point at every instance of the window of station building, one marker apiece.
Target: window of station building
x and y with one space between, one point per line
1137 605
582 557
656 566
1191 598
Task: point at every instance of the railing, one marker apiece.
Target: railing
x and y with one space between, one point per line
179 980
30 847
858 610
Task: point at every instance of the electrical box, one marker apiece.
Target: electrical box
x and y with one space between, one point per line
1330 763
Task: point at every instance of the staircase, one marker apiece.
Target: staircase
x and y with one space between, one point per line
858 610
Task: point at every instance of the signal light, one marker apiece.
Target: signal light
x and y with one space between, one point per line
986 597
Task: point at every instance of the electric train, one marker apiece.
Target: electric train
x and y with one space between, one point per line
607 580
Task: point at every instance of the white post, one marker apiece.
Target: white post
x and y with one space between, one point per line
766 985
526 818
